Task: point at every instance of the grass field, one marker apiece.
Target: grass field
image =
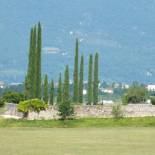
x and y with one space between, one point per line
81 123
87 136
77 141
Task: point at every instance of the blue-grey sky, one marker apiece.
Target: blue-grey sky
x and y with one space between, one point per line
123 32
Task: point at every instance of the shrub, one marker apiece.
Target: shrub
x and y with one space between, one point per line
152 98
135 94
2 102
117 111
66 110
12 97
27 106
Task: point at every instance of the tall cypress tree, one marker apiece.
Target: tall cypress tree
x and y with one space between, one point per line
38 62
33 76
90 80
59 90
45 92
96 80
81 80
34 44
52 93
75 76
30 71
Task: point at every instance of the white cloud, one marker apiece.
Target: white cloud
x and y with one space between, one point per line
51 50
71 32
64 53
81 39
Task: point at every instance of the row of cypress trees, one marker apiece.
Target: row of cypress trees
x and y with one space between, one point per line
48 91
93 78
63 89
33 76
33 87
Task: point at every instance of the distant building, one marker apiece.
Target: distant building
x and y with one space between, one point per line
151 87
125 86
2 84
84 92
106 102
108 90
15 84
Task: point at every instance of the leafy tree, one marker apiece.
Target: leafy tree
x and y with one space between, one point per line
81 80
96 80
135 94
27 106
45 92
75 84
59 90
90 79
52 93
12 97
65 108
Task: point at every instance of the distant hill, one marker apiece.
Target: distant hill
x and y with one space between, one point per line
123 32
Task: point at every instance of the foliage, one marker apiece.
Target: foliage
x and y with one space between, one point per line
76 59
90 80
33 76
117 111
96 80
35 105
59 90
30 77
52 93
65 108
38 62
45 92
2 102
81 80
152 100
135 94
12 97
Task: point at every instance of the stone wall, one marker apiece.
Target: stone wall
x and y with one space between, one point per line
101 111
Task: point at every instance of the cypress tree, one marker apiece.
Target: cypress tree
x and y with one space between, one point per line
66 92
33 76
34 63
52 93
81 80
38 62
90 87
30 71
65 107
75 76
96 80
45 92
59 90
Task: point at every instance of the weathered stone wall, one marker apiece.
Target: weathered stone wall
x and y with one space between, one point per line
102 111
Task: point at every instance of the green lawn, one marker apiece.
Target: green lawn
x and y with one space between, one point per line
81 123
77 141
